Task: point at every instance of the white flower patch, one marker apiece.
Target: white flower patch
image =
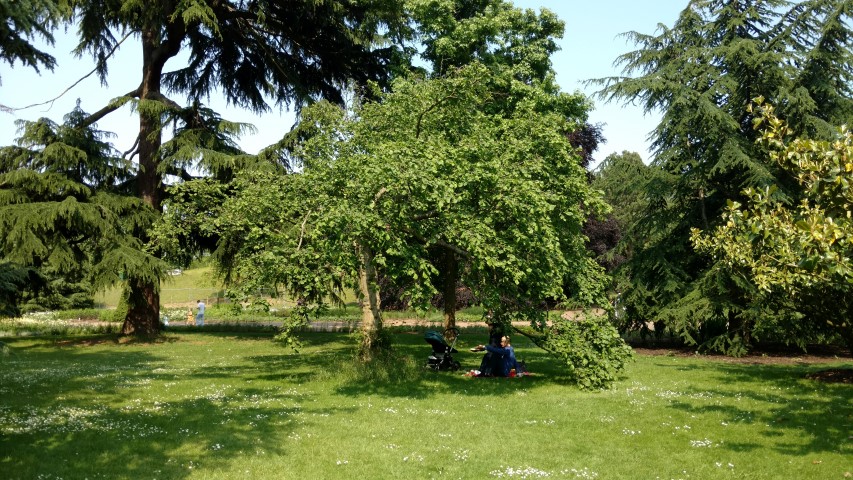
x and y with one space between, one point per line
704 443
342 462
701 396
437 412
414 456
524 472
668 394
582 473
639 388
389 410
461 455
216 446
547 421
626 431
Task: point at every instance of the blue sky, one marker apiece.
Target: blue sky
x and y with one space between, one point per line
589 47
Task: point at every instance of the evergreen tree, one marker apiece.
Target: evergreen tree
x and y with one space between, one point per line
23 21
256 53
702 74
67 210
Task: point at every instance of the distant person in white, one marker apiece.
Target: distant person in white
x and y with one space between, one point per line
199 317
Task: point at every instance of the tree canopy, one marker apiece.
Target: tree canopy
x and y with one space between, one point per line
425 167
23 22
258 54
797 256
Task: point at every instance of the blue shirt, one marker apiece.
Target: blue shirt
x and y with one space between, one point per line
508 361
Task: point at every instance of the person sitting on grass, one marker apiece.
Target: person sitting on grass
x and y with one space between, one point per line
505 364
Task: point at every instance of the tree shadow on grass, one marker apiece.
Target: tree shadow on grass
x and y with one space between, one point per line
778 399
80 412
418 382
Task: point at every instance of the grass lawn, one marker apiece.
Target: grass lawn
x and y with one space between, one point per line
217 405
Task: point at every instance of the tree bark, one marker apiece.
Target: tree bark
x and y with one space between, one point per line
371 314
451 277
143 316
143 304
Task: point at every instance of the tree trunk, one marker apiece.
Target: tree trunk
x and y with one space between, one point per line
143 315
141 299
371 314
451 277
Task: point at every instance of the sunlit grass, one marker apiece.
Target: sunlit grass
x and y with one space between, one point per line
205 405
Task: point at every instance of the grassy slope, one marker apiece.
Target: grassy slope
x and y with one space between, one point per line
213 406
184 289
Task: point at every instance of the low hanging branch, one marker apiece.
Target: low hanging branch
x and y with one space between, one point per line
101 62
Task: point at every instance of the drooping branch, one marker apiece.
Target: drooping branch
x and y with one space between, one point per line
84 77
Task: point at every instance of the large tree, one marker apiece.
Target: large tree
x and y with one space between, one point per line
254 52
516 45
427 166
68 213
702 73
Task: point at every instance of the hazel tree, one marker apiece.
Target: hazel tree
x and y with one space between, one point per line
426 166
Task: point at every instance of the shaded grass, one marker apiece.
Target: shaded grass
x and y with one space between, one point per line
224 405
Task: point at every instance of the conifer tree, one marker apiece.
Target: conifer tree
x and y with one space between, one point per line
24 21
257 53
702 74
68 211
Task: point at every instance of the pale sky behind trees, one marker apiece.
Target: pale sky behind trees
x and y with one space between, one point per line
589 47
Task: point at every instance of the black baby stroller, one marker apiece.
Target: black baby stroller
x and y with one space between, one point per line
441 357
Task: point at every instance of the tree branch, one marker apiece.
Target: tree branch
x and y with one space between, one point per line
429 109
112 107
426 216
54 99
302 231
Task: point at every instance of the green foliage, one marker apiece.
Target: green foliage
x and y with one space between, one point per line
67 212
492 32
23 21
255 53
591 348
797 256
426 167
12 281
701 74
